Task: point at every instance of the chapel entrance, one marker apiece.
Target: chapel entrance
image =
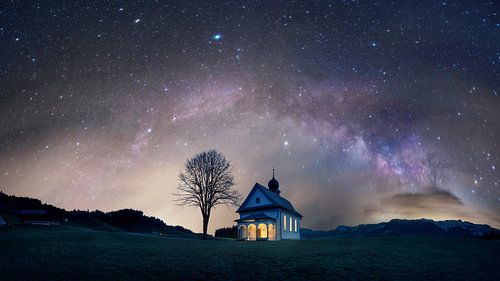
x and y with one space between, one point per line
251 232
271 232
242 233
262 231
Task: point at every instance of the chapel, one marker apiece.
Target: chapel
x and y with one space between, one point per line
266 215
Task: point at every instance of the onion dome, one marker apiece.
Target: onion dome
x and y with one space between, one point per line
274 185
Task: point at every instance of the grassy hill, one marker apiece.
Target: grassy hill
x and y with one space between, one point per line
13 210
72 253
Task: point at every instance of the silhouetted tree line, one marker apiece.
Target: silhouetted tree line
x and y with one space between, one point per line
227 232
134 221
12 205
126 219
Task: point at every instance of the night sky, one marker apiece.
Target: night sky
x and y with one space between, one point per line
368 110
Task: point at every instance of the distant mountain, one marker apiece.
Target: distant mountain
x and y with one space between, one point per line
409 227
22 210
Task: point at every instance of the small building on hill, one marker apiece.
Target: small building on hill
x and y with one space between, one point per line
265 215
40 217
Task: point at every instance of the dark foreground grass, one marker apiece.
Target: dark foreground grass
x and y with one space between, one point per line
65 253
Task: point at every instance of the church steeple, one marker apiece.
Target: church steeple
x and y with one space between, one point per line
274 185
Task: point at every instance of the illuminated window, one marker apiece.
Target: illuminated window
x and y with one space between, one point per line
262 231
284 222
290 224
252 232
295 225
271 232
257 200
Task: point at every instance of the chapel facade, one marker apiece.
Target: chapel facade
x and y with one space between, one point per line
265 215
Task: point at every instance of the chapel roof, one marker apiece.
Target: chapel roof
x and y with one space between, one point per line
276 201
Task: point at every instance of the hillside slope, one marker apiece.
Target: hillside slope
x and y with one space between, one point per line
14 209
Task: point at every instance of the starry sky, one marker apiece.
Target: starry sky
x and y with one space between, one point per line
368 110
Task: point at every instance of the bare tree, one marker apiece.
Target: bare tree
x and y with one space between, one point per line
206 183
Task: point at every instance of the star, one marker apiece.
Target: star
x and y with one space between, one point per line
217 37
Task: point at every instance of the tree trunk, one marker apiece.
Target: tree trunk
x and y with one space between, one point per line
205 226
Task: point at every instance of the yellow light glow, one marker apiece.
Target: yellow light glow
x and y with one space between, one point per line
284 222
271 232
262 231
251 232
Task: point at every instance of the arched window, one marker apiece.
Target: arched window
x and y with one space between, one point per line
251 232
257 200
290 224
262 231
271 232
242 234
295 225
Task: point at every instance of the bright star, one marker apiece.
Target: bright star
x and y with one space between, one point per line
217 37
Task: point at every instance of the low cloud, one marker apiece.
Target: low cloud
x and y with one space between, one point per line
432 203
433 199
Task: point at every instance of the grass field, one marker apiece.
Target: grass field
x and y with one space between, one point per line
69 253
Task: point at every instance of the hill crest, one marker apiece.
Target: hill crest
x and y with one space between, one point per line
25 210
